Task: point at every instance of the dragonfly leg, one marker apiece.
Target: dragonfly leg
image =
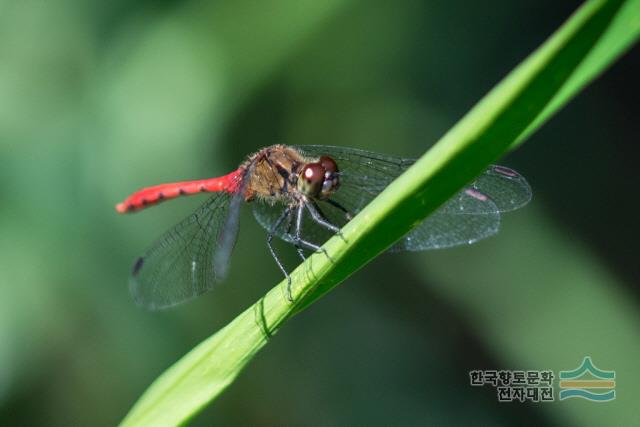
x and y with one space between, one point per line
285 214
319 217
299 241
298 248
348 216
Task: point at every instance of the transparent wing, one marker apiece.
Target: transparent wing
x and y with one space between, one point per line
471 215
505 187
468 217
190 258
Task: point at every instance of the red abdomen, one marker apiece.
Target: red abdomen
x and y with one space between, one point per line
151 195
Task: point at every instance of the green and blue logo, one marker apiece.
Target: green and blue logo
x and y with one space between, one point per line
588 382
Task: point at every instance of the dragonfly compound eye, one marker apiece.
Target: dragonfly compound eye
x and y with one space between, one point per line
329 165
311 179
331 178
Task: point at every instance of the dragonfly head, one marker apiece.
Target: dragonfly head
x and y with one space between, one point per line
320 179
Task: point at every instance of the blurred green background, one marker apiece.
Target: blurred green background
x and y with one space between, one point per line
98 99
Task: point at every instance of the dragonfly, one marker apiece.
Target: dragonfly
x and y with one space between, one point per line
302 195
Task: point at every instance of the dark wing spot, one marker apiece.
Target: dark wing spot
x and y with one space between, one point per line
182 192
160 196
137 266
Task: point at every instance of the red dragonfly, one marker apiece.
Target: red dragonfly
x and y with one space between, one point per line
302 195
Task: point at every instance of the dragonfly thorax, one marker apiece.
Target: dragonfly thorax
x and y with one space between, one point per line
283 173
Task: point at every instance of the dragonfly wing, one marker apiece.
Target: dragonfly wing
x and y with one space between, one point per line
471 215
190 258
507 188
466 218
268 216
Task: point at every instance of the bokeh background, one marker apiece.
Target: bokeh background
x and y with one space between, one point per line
100 98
